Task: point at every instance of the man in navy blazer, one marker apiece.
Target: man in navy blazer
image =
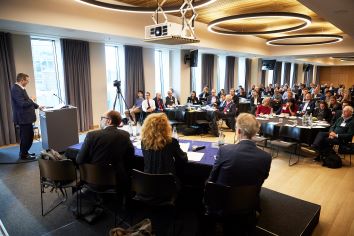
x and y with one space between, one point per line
242 163
24 115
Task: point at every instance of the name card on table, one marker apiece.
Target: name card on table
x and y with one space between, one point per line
195 156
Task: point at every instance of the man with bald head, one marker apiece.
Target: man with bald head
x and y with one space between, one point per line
340 133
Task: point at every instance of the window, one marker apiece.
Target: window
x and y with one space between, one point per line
115 71
48 71
242 71
221 72
291 74
269 79
196 75
162 71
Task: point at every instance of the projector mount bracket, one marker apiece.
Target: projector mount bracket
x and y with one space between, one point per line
155 15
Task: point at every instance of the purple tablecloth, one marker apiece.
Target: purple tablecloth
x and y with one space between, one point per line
208 158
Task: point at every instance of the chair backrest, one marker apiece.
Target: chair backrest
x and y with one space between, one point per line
98 175
225 200
61 170
290 132
154 187
267 129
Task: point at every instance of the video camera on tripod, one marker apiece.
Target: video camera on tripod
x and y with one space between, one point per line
117 84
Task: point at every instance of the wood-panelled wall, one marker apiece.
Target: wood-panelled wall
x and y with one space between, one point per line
336 75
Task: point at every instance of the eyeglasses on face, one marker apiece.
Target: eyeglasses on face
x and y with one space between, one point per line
104 117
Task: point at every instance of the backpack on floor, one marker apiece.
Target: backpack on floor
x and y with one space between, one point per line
332 160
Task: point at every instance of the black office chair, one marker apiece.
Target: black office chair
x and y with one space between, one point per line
177 118
103 180
347 149
155 191
234 207
289 138
57 175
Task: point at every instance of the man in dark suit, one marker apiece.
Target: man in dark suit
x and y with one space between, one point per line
236 164
341 132
308 105
204 95
108 146
158 103
170 99
228 113
212 99
23 108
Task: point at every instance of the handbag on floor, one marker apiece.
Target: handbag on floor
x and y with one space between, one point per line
143 228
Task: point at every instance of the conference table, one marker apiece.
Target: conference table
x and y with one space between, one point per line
301 218
305 133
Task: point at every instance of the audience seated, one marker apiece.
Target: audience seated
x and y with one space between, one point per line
162 153
137 106
158 103
277 100
229 112
308 105
170 100
264 108
234 97
289 108
212 99
322 112
235 164
222 91
341 132
222 103
148 105
255 101
338 113
204 95
334 105
193 99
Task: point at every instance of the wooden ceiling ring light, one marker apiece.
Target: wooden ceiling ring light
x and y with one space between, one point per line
330 38
306 21
137 9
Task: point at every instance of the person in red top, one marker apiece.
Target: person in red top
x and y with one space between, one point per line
264 108
288 108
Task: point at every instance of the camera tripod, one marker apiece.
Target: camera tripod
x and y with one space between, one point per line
119 96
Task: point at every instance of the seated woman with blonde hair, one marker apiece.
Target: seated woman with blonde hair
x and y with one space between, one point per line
264 108
162 153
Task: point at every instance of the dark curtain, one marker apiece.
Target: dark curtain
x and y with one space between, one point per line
308 75
77 76
277 73
208 70
7 76
317 79
248 74
134 72
263 77
287 70
229 73
294 81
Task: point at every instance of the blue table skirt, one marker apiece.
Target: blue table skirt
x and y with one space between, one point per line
208 158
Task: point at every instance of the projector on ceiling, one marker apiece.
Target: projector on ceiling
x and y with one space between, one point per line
168 33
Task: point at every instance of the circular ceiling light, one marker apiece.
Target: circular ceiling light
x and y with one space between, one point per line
305 21
305 40
133 9
344 58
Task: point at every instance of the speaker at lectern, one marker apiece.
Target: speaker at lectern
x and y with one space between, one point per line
59 128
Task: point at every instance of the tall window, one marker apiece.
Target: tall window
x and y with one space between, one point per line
115 71
242 71
196 75
162 71
221 72
269 79
48 71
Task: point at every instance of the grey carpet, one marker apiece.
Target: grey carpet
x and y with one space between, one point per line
10 155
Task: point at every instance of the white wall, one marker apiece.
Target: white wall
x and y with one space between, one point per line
98 81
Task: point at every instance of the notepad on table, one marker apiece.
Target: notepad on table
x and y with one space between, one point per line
184 146
195 156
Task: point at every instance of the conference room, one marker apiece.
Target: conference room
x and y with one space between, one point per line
170 91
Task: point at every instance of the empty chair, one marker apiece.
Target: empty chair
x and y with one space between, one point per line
102 180
156 191
289 138
347 149
235 207
58 175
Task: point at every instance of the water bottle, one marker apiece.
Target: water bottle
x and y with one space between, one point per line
174 133
221 140
310 120
304 119
130 128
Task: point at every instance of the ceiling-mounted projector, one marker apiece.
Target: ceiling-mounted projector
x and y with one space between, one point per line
168 33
